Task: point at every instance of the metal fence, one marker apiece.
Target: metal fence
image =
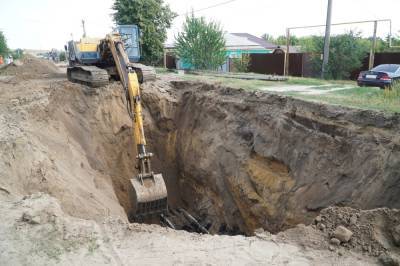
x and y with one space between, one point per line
299 64
274 64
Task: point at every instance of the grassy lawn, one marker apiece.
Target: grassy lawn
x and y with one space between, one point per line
363 98
369 98
235 83
230 82
316 82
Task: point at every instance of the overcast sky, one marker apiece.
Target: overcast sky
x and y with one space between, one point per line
45 24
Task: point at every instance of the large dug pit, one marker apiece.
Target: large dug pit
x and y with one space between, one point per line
246 160
239 161
235 160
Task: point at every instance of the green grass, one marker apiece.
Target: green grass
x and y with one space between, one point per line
256 84
232 82
316 82
161 70
358 97
369 98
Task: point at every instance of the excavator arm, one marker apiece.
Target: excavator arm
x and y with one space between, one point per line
149 194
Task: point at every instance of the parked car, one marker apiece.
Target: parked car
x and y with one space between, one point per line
380 76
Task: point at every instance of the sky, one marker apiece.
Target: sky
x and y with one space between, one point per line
46 24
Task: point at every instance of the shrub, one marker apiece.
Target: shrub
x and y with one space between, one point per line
201 44
241 64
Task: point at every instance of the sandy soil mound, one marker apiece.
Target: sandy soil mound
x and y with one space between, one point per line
30 67
56 139
340 229
35 231
374 231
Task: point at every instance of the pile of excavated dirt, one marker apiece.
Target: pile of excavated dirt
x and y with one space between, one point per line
248 160
56 139
30 67
35 230
371 232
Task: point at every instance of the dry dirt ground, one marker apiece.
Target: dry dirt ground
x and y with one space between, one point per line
35 231
66 157
309 90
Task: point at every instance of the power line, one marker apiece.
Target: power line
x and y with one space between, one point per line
209 7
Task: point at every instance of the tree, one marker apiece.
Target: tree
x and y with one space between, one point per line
396 40
268 37
62 56
281 40
153 17
3 44
346 54
201 44
382 45
17 53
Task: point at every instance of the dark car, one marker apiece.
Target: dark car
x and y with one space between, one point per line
380 76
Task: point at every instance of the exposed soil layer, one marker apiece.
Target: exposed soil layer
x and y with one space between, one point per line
247 160
56 139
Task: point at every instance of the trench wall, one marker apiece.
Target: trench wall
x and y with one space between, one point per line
244 160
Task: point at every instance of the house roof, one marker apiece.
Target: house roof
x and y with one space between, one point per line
232 42
257 40
246 41
235 41
264 43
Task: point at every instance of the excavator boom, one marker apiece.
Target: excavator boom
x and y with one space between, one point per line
93 62
149 193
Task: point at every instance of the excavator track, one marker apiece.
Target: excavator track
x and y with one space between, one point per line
145 73
88 75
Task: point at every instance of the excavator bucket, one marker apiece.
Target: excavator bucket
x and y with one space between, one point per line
149 197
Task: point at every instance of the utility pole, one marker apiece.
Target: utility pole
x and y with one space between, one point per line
373 47
327 39
84 29
286 62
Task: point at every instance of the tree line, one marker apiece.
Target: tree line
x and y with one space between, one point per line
382 44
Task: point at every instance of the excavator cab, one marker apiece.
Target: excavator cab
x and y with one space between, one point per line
130 37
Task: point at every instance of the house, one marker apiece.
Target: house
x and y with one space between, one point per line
266 44
237 44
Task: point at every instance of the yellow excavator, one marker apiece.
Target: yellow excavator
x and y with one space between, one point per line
94 62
